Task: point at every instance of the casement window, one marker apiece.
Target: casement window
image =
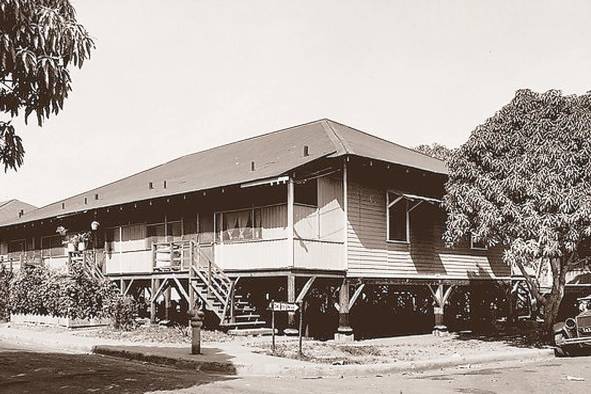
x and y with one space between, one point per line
478 245
397 218
238 225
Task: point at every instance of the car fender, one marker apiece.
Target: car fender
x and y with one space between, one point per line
558 328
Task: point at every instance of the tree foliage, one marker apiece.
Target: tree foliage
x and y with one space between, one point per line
39 42
36 289
5 278
523 181
435 150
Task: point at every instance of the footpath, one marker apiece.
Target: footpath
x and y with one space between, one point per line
242 360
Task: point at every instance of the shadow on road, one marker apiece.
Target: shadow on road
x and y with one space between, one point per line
522 339
25 371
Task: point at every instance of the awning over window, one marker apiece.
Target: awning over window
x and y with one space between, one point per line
414 197
418 200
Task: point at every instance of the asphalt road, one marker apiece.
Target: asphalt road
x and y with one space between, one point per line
28 370
510 377
37 371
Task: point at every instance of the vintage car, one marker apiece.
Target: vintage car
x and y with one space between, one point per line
574 334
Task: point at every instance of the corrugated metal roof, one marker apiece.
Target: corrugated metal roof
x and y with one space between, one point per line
359 143
273 154
9 210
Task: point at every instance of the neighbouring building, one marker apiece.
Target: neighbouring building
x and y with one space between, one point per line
12 210
319 212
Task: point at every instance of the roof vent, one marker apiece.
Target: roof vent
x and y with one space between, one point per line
164 184
306 151
150 185
96 196
63 205
252 167
85 200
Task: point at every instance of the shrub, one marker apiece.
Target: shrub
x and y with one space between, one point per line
123 311
38 290
5 277
27 293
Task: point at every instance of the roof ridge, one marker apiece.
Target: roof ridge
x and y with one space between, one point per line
3 203
385 140
335 138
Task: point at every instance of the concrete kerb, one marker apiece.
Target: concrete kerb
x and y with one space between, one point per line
273 366
181 361
241 361
246 363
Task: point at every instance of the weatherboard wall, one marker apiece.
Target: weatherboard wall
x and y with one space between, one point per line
370 255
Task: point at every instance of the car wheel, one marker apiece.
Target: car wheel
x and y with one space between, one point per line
560 351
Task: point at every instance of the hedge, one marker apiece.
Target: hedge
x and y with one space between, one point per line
5 278
71 293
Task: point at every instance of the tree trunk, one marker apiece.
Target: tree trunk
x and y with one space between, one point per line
552 302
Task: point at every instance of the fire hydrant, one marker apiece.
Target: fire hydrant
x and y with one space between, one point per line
196 316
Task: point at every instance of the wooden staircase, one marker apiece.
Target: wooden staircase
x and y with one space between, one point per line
215 290
90 263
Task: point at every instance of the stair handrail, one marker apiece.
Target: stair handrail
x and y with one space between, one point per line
229 303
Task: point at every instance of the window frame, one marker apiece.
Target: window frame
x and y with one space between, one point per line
390 204
472 245
49 252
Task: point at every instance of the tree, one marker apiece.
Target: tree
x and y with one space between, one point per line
436 150
523 181
39 41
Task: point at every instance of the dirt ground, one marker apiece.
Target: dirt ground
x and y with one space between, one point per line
384 350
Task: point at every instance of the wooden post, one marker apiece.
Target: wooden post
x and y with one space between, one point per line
440 296
191 273
155 285
301 325
290 221
167 302
291 297
208 278
273 328
232 304
344 331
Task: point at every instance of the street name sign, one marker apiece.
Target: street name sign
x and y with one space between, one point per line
283 306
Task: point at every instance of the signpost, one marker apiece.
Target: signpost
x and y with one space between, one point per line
275 306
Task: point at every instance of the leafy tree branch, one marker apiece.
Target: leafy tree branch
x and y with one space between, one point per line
40 40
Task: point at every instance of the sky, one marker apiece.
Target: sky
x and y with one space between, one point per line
169 78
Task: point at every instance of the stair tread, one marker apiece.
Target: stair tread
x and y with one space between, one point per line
245 323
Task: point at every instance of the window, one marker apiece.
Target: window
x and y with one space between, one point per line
238 225
479 245
157 231
52 246
306 193
397 218
16 246
174 231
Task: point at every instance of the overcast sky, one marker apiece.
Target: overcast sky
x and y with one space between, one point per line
174 77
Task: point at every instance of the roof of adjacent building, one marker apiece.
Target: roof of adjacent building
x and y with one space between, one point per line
10 210
272 154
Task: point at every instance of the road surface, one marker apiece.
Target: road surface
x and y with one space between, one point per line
29 370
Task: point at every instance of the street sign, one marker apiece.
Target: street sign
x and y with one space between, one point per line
286 307
283 306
